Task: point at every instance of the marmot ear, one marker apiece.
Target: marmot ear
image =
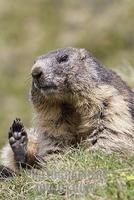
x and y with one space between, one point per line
83 54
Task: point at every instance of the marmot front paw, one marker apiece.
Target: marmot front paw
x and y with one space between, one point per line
18 141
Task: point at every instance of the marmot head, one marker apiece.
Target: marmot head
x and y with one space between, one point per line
62 73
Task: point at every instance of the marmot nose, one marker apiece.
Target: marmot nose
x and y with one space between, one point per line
37 72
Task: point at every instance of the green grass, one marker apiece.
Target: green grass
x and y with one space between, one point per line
77 174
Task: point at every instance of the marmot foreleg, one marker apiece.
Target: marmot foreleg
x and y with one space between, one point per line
21 150
25 150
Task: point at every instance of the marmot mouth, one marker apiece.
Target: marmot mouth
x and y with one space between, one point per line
49 87
46 89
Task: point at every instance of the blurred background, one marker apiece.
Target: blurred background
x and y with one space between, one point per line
30 28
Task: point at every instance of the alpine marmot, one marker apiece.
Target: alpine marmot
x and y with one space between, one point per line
75 100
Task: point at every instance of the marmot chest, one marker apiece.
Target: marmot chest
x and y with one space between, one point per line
62 120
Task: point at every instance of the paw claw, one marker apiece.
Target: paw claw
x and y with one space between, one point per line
17 125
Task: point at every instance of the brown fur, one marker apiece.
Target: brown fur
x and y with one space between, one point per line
90 104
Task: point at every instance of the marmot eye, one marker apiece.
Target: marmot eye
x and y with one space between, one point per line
63 58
